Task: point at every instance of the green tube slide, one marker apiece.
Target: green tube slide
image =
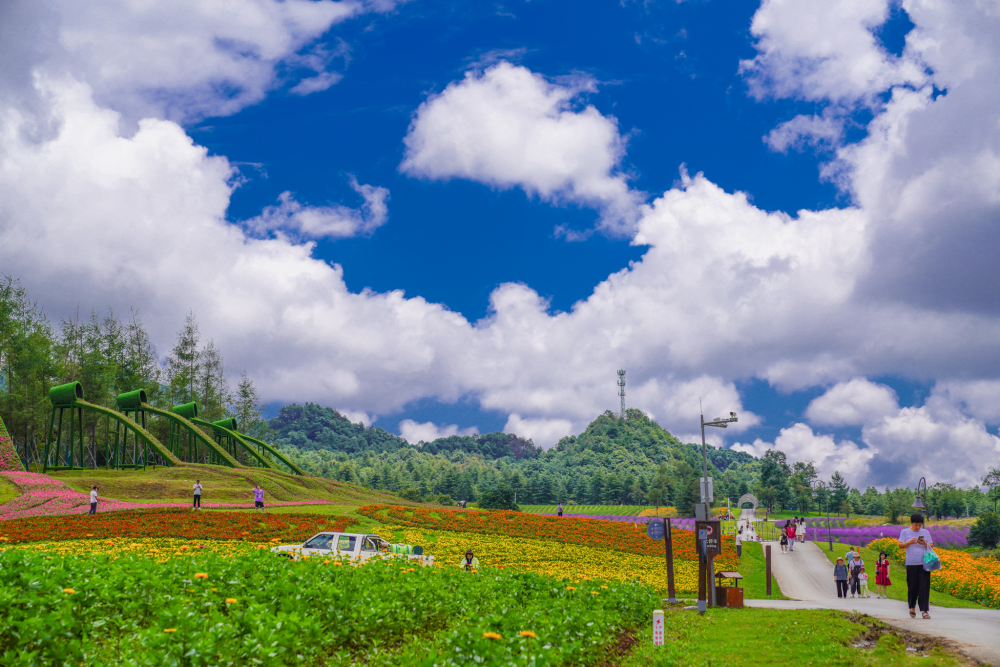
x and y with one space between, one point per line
221 428
141 433
274 452
188 426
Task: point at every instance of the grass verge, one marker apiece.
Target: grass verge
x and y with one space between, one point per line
753 569
8 490
750 636
897 575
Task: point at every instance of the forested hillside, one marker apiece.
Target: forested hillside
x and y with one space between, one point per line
628 461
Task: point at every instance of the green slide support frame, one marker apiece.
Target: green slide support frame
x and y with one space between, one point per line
70 397
180 426
226 428
274 452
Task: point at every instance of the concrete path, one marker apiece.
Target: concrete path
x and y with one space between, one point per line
806 575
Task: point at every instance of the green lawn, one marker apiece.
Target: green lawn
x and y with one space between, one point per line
7 490
752 568
897 575
221 485
745 637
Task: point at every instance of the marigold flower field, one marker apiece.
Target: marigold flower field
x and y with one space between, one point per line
961 575
627 537
556 559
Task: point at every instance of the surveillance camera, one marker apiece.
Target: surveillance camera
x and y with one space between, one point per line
732 415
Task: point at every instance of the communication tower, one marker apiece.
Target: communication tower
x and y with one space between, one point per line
621 389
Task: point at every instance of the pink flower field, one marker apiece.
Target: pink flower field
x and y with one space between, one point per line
42 495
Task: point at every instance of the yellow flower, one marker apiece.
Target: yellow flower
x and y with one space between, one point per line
492 635
527 633
604 587
215 590
594 593
170 629
230 600
201 575
571 588
325 562
68 591
190 590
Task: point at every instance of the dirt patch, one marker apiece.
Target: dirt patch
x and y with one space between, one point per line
915 643
620 649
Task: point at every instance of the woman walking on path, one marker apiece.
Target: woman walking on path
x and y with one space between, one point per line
784 540
791 537
258 498
917 541
197 495
857 567
882 581
801 532
840 577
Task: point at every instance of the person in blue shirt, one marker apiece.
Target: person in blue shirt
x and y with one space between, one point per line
917 541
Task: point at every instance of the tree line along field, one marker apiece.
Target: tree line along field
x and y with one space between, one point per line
609 510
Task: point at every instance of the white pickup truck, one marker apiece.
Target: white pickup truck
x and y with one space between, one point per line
350 545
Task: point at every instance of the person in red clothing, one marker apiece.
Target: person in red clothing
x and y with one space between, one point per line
791 537
882 581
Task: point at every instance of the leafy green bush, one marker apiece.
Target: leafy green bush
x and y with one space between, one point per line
986 530
499 498
262 609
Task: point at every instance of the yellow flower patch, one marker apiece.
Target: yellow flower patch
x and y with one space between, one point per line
565 561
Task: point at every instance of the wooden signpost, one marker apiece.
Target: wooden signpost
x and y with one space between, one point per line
709 534
661 531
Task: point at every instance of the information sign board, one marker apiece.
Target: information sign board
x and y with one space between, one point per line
713 536
655 529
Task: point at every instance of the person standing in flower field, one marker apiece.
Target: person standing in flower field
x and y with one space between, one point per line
882 581
197 495
917 541
559 509
93 501
258 498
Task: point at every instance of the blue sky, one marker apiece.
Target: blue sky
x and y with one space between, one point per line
447 217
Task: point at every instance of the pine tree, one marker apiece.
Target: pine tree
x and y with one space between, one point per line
212 385
183 363
248 410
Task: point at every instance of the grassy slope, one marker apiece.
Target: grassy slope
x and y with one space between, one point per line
750 636
221 484
752 568
897 575
7 490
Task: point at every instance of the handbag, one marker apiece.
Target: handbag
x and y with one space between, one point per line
931 561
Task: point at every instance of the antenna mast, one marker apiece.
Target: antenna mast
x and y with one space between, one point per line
621 389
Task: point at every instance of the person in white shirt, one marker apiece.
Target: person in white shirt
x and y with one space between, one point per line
197 495
739 543
93 501
801 532
917 541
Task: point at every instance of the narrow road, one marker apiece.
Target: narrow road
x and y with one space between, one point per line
806 576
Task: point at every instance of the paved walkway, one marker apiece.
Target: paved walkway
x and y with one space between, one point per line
806 575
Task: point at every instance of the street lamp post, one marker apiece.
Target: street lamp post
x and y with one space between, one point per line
706 483
820 485
917 504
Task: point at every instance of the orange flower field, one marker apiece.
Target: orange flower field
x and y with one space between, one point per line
627 537
961 575
181 523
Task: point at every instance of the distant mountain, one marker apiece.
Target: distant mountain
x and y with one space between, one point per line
313 427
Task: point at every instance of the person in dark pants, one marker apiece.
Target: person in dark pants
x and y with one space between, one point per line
93 501
856 567
840 576
197 495
917 541
560 509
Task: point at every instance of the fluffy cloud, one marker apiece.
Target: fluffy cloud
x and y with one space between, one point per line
510 127
853 403
334 221
803 130
183 59
414 432
799 443
543 432
825 50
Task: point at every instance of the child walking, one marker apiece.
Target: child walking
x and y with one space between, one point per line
863 581
882 581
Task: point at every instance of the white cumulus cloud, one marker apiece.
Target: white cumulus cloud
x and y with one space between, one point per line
509 127
414 432
853 403
799 443
335 221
